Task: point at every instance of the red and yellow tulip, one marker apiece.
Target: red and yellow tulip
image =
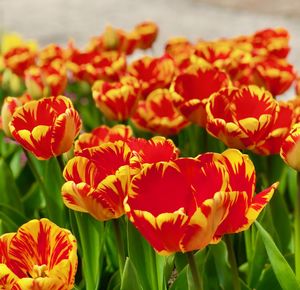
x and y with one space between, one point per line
241 118
117 100
46 127
102 134
97 180
39 256
157 114
290 149
192 88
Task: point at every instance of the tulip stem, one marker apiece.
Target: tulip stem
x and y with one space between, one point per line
39 179
297 229
195 272
120 245
232 261
61 162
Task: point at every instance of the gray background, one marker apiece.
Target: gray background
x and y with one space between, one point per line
58 20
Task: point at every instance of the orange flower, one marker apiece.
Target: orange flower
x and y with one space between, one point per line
281 127
180 49
178 205
49 80
192 88
275 75
244 210
152 72
46 127
50 53
19 58
102 134
290 149
274 40
10 104
154 150
241 118
39 256
117 100
147 33
157 114
90 66
97 180
215 52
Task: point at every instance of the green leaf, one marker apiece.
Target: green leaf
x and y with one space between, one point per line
148 264
91 239
9 191
130 279
281 268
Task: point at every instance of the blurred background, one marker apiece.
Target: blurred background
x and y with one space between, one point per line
59 20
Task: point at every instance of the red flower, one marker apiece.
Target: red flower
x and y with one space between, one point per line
244 210
117 100
147 33
46 127
290 149
192 88
241 118
178 205
19 58
152 72
102 134
39 256
97 180
281 127
157 114
10 104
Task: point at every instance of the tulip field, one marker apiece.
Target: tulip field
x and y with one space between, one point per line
124 167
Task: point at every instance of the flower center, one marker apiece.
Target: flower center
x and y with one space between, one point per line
39 271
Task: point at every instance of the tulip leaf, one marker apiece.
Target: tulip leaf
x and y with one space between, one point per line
53 180
9 191
268 279
91 239
148 264
130 279
281 268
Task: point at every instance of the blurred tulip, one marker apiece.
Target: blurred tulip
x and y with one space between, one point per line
192 88
241 118
117 100
102 134
290 149
157 114
97 180
46 127
10 104
147 33
153 73
39 256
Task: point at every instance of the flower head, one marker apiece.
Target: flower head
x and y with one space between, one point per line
46 127
39 256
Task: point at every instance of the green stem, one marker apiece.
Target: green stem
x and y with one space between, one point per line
61 162
39 179
120 245
195 273
297 229
233 264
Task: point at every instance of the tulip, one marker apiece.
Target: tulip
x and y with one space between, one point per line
46 127
39 256
102 134
117 100
290 148
241 118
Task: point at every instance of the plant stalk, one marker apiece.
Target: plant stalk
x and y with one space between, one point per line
232 261
195 273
